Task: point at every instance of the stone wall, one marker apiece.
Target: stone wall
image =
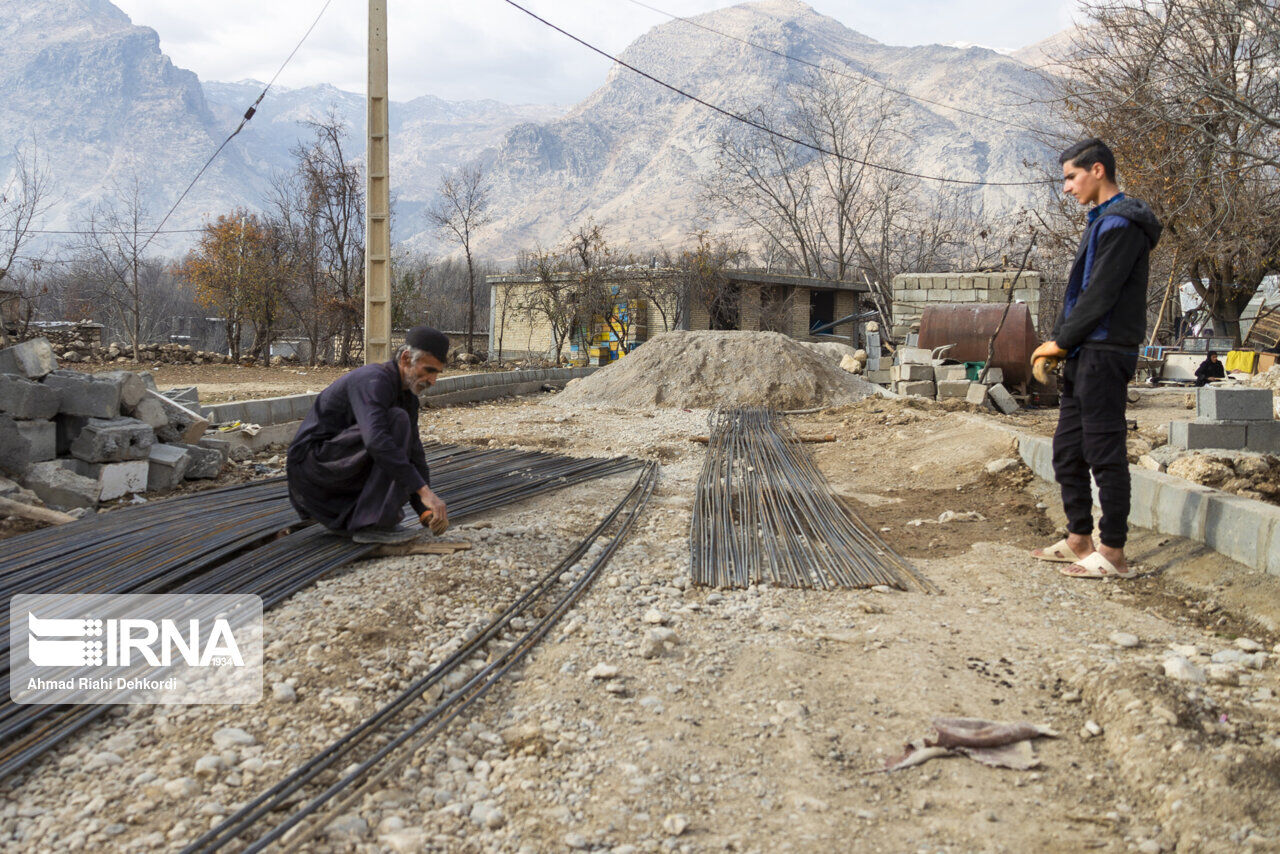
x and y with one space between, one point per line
913 292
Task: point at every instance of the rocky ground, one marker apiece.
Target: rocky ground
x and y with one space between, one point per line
763 720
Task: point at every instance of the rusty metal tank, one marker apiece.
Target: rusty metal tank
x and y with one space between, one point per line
970 327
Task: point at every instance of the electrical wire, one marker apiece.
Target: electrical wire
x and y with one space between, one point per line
248 114
738 117
862 78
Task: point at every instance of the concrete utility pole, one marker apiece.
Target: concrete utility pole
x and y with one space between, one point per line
377 230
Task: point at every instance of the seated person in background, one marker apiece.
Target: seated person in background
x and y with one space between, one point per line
357 458
1210 369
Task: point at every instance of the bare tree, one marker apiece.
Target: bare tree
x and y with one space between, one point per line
1186 93
26 197
113 246
461 210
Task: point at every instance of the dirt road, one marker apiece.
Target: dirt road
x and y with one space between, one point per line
762 725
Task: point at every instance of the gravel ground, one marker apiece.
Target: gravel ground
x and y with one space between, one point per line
747 720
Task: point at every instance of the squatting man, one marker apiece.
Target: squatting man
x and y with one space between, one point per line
357 458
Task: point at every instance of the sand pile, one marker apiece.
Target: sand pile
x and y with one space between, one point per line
706 369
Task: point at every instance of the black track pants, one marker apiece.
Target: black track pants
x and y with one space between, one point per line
1091 438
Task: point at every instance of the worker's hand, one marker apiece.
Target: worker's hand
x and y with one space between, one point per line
1048 350
439 518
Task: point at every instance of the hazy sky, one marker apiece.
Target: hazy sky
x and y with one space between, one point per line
465 49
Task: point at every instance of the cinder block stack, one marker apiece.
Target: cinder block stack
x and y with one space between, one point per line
1230 418
76 439
917 375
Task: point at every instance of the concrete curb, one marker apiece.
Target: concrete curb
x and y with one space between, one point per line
466 388
1243 529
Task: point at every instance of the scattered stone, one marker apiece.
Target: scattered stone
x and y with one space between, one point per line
1222 674
181 788
1248 645
283 692
603 671
1005 464
1179 668
1093 728
576 841
229 737
654 617
1125 640
675 824
347 704
209 766
350 825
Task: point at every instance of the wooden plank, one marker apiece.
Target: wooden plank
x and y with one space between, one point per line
432 548
1265 332
38 514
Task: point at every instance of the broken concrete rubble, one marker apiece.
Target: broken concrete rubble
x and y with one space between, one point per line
167 467
32 359
115 480
60 487
42 438
23 399
203 463
113 440
81 394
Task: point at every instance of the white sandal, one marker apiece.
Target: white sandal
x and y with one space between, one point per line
1059 552
1097 566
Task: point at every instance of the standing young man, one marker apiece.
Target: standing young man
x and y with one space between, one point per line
1098 334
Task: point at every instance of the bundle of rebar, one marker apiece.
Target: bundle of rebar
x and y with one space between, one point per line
231 540
763 512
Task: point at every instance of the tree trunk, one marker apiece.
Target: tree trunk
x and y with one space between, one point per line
471 301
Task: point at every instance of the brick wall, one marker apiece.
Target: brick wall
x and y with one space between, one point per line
913 292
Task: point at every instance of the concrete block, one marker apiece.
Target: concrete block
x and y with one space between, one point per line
953 389
936 295
950 373
914 356
912 373
881 377
1240 528
258 412
132 388
993 376
113 440
189 426
23 399
281 409
188 397
68 428
917 389
15 450
204 462
60 487
1181 506
81 394
167 467
42 437
31 359
115 480
1144 492
1208 434
1215 403
222 446
1263 437
148 380
977 394
1002 399
150 413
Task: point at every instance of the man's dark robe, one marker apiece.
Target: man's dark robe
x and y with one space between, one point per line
357 457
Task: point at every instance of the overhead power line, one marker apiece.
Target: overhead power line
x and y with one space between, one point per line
248 114
738 117
861 78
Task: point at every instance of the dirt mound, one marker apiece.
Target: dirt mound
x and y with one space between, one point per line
706 369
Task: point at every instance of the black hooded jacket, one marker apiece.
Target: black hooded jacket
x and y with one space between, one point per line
1105 305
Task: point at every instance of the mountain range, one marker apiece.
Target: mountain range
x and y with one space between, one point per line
104 107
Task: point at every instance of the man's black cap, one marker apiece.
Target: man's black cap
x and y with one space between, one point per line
430 340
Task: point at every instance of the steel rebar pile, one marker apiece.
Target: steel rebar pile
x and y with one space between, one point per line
764 513
376 749
227 541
